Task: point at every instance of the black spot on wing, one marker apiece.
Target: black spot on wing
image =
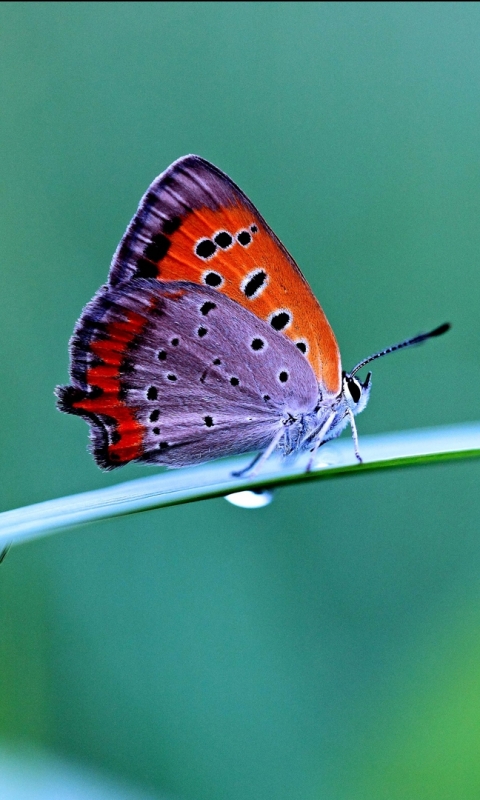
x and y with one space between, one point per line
205 248
206 307
157 248
254 283
223 239
280 320
171 225
244 238
213 279
146 269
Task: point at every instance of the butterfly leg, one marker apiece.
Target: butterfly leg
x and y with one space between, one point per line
319 440
353 426
259 460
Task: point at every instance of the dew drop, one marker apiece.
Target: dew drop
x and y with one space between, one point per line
256 498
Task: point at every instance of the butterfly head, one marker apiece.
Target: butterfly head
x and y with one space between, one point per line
355 393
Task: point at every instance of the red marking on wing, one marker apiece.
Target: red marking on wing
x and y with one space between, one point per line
106 376
174 295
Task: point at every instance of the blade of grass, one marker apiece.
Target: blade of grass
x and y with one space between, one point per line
385 451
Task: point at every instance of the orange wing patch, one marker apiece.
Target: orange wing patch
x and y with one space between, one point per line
194 224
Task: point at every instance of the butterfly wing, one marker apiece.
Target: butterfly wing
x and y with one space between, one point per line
194 224
178 374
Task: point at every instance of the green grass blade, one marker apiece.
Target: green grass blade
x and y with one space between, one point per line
385 451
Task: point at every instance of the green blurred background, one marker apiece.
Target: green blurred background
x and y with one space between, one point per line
326 647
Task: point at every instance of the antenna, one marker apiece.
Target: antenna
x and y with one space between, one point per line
407 343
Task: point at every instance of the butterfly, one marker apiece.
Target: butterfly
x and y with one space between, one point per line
207 340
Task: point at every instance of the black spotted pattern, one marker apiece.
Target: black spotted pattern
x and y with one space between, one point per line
223 239
213 279
302 347
205 248
253 285
208 306
157 248
280 320
178 371
171 225
244 238
146 269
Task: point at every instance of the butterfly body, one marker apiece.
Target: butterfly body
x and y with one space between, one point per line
206 340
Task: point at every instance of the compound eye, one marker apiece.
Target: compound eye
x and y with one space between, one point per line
354 389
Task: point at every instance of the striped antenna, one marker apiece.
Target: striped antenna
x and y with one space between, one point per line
407 343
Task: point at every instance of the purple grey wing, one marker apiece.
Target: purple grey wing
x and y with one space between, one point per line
200 376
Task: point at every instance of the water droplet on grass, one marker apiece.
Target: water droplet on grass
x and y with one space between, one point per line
257 498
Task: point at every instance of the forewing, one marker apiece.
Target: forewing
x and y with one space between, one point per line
194 224
178 374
